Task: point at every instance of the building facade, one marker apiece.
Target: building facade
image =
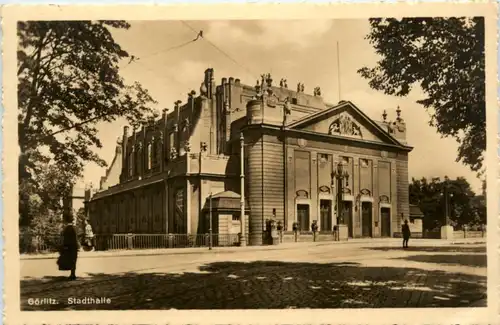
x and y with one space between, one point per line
163 174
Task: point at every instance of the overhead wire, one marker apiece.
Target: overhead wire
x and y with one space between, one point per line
251 73
133 59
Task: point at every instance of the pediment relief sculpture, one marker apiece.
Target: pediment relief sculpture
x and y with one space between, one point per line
344 125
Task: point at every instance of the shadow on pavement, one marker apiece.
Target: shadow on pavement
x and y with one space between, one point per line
473 260
437 249
265 284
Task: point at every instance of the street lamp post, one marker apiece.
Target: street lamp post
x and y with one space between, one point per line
286 111
210 223
447 196
339 174
446 229
243 241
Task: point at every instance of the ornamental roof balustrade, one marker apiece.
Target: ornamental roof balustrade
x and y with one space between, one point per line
208 164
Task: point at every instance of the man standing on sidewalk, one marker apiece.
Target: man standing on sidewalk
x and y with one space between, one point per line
405 230
314 229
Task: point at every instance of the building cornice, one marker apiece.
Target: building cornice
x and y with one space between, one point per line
323 136
137 184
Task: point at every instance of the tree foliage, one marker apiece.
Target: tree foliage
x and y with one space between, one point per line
464 207
445 57
43 206
68 81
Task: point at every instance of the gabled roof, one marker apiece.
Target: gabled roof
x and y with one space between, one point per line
310 119
226 195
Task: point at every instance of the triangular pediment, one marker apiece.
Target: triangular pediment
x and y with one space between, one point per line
344 120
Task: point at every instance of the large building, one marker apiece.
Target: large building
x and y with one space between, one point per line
163 174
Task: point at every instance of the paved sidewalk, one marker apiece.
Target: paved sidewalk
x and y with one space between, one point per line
222 250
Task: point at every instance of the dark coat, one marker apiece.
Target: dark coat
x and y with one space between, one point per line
69 250
405 229
314 227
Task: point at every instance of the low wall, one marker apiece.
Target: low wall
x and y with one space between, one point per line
459 234
425 235
307 236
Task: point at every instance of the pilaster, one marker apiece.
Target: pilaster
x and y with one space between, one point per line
314 187
356 183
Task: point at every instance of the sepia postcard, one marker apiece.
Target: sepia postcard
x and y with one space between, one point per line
270 164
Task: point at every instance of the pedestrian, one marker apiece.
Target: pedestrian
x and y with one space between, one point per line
405 230
314 228
280 231
295 227
89 235
69 250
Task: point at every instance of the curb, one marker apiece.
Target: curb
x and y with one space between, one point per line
169 251
227 250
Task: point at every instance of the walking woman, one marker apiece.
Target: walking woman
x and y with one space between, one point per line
69 250
405 229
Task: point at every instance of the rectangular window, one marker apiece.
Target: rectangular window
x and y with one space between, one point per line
149 156
236 217
156 152
179 224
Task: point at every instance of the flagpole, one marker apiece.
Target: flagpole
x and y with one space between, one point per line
338 70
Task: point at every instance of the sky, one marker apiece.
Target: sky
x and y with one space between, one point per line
297 50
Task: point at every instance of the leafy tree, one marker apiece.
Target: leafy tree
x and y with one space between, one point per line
43 206
445 57
68 81
464 207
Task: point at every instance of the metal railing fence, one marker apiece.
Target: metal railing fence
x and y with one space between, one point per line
48 244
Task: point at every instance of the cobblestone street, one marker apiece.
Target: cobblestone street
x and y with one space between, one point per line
322 275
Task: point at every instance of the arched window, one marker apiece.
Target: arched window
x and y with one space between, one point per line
154 151
131 164
171 142
149 157
140 160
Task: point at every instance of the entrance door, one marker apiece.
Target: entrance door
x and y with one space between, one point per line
385 218
325 210
366 213
303 216
347 215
